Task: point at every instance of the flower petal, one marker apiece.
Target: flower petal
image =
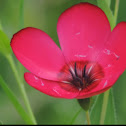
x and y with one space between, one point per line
114 49
51 88
37 52
82 28
112 59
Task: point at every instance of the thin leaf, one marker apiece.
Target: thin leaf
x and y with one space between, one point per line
21 25
119 92
4 44
96 110
108 2
110 113
75 116
1 26
21 21
1 123
15 102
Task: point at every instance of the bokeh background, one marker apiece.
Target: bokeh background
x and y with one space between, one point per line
43 14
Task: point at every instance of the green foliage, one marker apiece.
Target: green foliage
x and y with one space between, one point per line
15 102
108 3
111 110
119 93
5 48
105 7
1 123
96 110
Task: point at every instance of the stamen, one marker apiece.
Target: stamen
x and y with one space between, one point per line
66 82
72 74
81 75
80 81
72 70
75 69
84 72
95 80
90 69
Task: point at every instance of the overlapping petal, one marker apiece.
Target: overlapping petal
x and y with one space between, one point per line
114 50
51 88
82 29
55 89
38 53
113 60
107 82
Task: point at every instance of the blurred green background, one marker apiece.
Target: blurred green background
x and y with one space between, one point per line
43 14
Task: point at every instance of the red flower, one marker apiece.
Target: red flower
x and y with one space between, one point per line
91 60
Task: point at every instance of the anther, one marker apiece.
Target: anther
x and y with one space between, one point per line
84 72
82 75
80 81
75 69
72 74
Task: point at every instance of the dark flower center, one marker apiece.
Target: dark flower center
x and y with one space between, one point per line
81 75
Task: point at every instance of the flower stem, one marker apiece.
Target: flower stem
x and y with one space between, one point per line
88 118
21 87
104 107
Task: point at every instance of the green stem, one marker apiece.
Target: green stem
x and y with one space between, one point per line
21 22
88 118
75 116
21 25
1 28
116 10
108 2
21 87
15 102
104 107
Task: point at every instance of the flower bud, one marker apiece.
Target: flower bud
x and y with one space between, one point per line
85 103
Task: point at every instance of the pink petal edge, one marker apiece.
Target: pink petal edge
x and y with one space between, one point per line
114 50
38 53
51 88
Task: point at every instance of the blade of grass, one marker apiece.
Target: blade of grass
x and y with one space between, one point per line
21 87
21 18
108 2
20 67
1 123
75 116
21 25
15 102
104 107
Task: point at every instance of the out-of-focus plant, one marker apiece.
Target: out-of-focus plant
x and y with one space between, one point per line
5 49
